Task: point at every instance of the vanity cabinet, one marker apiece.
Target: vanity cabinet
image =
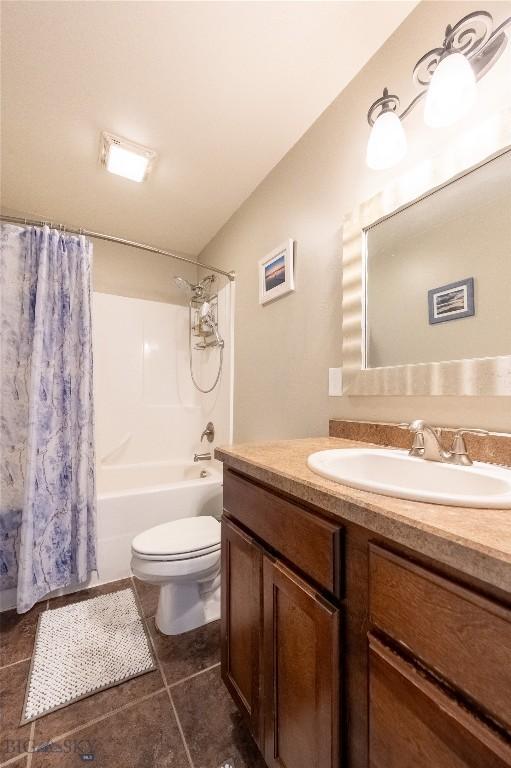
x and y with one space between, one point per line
345 650
280 633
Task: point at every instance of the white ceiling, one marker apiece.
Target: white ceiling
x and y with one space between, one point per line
221 90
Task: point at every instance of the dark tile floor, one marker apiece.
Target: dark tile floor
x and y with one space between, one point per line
179 716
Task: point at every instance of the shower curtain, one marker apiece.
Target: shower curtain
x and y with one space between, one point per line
48 500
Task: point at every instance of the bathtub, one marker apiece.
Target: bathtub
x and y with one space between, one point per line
133 497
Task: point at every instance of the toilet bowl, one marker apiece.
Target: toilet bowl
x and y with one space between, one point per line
183 558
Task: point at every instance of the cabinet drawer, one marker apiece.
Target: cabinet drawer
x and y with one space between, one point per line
412 722
463 636
310 543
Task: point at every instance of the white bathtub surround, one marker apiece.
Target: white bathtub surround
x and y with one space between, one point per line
142 383
84 648
183 557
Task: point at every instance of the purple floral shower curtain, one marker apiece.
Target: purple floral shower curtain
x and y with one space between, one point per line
48 500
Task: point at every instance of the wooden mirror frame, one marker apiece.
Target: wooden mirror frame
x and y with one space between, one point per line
486 376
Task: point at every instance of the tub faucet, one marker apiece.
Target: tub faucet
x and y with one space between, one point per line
202 456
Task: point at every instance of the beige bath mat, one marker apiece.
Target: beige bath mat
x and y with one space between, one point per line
83 648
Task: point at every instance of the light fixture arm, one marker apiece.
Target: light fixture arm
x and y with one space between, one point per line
386 103
501 28
473 36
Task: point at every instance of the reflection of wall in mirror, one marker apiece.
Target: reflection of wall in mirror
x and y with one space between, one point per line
405 263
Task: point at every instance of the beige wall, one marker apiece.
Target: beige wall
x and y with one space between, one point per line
138 274
284 350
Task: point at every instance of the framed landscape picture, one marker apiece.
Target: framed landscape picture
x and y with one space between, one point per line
451 301
276 273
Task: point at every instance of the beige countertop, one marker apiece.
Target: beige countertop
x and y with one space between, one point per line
474 541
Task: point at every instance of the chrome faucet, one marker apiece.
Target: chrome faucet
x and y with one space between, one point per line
202 456
427 445
432 447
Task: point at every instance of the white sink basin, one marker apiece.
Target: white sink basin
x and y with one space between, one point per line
395 473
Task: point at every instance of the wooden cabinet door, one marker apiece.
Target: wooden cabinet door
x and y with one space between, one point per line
241 624
301 673
413 723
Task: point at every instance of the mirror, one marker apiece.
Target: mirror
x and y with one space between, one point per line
438 273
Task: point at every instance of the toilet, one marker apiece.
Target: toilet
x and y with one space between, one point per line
183 557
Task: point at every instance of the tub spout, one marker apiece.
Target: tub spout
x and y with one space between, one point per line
202 457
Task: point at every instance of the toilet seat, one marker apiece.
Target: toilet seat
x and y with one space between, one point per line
184 539
161 571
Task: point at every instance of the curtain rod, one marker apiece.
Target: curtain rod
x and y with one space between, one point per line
113 239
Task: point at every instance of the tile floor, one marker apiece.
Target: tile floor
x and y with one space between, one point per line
179 716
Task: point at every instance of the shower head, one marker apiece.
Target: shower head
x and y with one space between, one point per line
184 284
198 289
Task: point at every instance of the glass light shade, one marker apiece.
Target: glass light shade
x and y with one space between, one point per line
124 157
451 92
387 142
123 162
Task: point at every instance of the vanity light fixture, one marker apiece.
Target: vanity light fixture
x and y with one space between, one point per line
387 141
125 158
447 77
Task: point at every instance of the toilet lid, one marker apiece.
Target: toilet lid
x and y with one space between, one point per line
189 535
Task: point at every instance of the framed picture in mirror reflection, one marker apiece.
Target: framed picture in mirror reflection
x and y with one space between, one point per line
452 301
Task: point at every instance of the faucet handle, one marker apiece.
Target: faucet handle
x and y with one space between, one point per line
209 432
459 447
417 448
